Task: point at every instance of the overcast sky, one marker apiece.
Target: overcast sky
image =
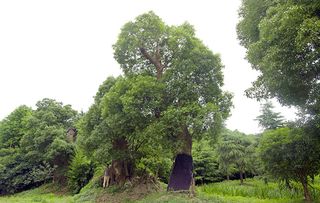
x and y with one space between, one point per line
63 49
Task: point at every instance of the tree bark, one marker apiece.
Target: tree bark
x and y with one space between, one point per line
304 182
155 60
120 170
241 177
186 141
228 177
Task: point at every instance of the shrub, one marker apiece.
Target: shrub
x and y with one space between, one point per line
80 171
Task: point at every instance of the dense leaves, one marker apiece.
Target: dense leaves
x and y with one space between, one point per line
34 148
206 166
235 151
282 39
187 70
80 171
268 118
291 154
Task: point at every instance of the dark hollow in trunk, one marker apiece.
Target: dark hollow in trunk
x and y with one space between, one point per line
181 175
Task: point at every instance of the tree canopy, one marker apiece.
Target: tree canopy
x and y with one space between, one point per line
35 148
268 118
282 41
291 154
189 72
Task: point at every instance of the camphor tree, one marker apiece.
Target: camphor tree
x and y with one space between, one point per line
191 104
119 128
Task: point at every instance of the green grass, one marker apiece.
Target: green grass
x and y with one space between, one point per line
39 195
253 191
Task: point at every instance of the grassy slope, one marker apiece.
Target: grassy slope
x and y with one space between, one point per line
224 192
44 194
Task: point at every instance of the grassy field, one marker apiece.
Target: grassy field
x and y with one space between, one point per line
253 191
43 194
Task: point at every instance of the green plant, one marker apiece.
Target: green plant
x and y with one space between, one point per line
80 172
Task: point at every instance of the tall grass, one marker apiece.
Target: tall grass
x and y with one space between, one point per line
255 190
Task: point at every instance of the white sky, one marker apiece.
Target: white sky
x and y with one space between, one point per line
63 49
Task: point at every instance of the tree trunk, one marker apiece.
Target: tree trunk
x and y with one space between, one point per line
120 169
181 174
241 177
304 182
228 177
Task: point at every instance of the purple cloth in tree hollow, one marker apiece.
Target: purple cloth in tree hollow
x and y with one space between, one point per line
181 175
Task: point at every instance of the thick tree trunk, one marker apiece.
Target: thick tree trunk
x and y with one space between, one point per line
304 182
241 177
120 169
181 175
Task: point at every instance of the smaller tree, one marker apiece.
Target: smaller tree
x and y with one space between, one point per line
205 160
233 153
45 139
13 127
268 118
291 154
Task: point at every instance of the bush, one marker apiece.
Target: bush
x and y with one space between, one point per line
80 172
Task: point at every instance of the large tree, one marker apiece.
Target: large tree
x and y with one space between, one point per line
119 128
193 103
282 39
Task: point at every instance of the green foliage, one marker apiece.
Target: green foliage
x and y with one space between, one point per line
154 160
13 127
80 171
291 154
38 150
93 133
234 151
287 153
187 72
206 166
282 39
268 118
